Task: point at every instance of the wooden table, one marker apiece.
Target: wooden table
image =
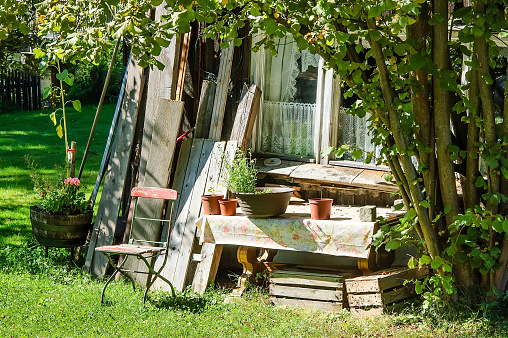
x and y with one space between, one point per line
340 236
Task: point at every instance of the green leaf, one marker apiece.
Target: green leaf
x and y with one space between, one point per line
480 182
69 79
447 209
77 105
59 131
24 29
238 42
52 117
156 49
397 206
418 287
356 154
488 79
447 267
425 260
3 34
497 225
425 204
505 225
376 10
452 250
327 151
46 92
341 151
436 264
63 75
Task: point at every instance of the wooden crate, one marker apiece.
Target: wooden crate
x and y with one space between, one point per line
309 287
383 291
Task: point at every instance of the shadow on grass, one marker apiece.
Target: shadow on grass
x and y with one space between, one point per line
185 301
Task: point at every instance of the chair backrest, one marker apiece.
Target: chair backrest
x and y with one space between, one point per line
153 193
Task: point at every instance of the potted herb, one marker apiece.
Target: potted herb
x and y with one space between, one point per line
63 215
257 202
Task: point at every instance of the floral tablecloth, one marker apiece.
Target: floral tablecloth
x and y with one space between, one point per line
333 237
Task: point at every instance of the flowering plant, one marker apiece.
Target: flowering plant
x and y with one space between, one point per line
58 195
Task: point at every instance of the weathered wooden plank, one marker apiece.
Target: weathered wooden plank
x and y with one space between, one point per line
245 117
293 279
284 169
183 230
306 293
389 279
109 208
160 85
326 173
188 238
211 253
182 65
205 109
178 184
221 92
374 179
380 299
158 170
308 304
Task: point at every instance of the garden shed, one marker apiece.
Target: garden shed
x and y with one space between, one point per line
176 126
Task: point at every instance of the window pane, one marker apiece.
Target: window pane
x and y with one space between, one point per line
289 100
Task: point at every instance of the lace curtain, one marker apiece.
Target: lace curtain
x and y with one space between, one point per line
286 122
288 128
354 131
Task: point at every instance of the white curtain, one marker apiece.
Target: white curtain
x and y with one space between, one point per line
284 126
354 131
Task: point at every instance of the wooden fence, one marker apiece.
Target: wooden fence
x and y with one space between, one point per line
21 90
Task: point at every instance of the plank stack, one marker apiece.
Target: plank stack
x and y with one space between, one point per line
383 291
309 287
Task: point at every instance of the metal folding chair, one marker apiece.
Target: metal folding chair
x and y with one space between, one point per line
147 252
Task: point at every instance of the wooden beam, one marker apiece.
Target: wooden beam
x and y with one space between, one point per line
107 215
161 84
184 52
219 107
205 109
158 171
206 269
245 117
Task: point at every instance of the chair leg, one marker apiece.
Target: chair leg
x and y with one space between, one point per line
157 274
117 269
105 286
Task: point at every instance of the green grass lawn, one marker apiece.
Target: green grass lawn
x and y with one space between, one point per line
41 297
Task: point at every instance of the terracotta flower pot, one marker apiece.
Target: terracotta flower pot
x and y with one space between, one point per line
228 207
320 208
211 204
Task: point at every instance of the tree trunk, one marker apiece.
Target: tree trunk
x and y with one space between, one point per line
442 113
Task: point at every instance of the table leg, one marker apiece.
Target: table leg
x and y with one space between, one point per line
246 255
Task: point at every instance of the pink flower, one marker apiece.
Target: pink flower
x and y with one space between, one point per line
72 181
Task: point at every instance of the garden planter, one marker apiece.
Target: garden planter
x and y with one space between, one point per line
211 204
228 207
60 231
265 205
320 208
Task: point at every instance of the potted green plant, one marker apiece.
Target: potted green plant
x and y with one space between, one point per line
257 202
63 215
